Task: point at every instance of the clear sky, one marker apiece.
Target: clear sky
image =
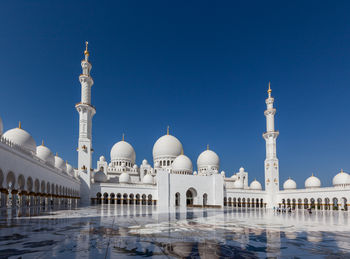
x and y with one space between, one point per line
201 67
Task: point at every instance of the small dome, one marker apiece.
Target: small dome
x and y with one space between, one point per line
124 178
102 159
312 182
255 185
45 154
290 184
223 173
100 177
167 146
1 126
144 162
208 158
123 150
22 138
341 178
148 179
59 163
234 177
135 166
157 164
182 163
238 184
241 170
69 169
195 173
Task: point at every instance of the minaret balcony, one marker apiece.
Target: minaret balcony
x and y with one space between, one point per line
86 78
270 112
79 106
271 134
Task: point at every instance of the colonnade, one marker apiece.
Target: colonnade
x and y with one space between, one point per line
317 204
19 191
126 199
244 202
20 199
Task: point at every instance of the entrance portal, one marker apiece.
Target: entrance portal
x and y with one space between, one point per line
191 194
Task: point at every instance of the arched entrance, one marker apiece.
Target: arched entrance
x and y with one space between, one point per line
205 200
177 199
191 194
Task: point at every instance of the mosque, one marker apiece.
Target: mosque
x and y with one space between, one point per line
31 175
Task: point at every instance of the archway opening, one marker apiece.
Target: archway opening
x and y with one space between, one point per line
131 198
150 199
344 203
205 200
191 194
105 198
177 199
112 198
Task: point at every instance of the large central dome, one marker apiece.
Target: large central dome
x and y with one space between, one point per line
167 146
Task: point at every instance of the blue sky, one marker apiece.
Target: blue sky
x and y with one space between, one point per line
201 67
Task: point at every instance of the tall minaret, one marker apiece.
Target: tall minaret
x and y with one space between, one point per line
86 112
271 161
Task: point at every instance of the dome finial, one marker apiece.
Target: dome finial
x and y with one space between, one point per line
312 174
341 170
56 154
42 142
86 52
123 137
167 130
182 151
207 146
269 90
19 125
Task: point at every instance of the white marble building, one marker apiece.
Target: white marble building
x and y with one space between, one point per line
31 174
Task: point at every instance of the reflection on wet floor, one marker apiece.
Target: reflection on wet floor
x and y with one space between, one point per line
117 231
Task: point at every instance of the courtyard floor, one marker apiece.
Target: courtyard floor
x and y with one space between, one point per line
120 231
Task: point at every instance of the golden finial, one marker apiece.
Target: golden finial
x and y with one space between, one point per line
56 154
341 170
182 151
312 174
269 91
19 125
207 146
167 130
123 137
42 142
86 52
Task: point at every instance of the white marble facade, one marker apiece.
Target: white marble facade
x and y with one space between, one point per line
32 173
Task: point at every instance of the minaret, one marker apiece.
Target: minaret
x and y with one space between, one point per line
86 112
271 161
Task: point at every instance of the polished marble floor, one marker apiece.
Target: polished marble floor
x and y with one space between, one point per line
120 231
